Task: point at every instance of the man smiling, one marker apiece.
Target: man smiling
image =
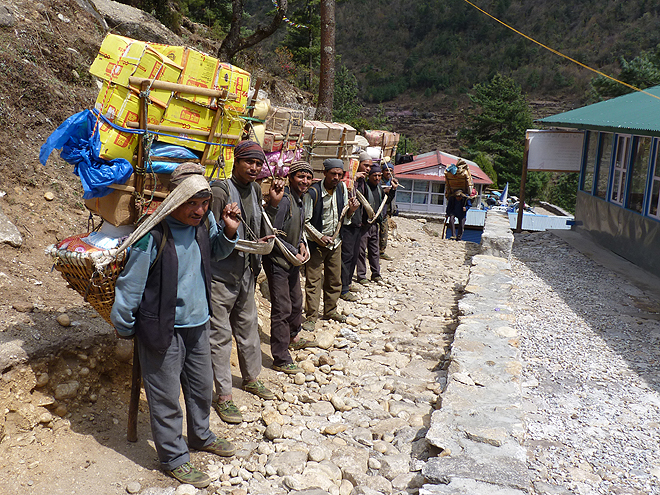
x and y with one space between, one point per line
234 307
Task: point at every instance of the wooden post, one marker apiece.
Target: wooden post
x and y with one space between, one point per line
136 384
140 169
523 179
340 149
209 139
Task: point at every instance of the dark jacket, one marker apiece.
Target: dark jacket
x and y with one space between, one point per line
289 217
154 322
455 206
317 213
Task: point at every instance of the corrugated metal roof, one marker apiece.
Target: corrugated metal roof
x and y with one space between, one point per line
636 112
433 159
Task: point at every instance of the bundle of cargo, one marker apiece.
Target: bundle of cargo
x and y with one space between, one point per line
459 177
175 96
385 140
327 140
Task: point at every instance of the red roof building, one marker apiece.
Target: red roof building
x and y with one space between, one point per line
423 181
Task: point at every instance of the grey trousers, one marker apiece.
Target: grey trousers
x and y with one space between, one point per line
322 275
234 313
185 365
369 249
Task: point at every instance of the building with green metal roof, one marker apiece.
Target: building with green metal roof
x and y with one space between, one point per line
618 200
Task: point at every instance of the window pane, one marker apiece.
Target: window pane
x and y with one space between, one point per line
604 165
639 173
420 198
421 185
406 183
655 193
438 187
592 149
437 199
615 187
403 196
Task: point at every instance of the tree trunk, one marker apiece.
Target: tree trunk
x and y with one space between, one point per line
327 77
233 43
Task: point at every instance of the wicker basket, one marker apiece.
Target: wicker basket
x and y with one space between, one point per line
79 270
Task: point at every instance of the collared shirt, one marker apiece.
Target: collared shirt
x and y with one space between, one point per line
330 217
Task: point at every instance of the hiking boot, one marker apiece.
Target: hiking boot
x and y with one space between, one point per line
385 256
187 474
335 316
355 288
309 326
228 411
289 369
257 388
363 281
377 279
296 345
221 447
348 296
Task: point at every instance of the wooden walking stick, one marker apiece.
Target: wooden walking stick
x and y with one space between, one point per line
133 405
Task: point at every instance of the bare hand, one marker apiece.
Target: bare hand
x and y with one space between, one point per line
353 204
231 217
302 250
326 240
360 175
395 184
464 208
276 192
300 257
266 238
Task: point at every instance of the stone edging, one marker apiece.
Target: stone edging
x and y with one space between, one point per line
479 428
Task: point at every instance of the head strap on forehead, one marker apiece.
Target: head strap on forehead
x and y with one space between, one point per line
249 150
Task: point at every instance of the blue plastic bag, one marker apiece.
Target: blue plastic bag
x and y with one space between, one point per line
81 148
170 151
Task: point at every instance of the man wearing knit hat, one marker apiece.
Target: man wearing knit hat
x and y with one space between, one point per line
234 308
288 219
163 296
387 181
369 243
324 203
351 232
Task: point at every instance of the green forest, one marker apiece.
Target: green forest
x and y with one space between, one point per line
394 51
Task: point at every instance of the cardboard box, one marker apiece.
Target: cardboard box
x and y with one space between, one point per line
118 208
334 131
237 81
317 128
350 132
121 57
120 106
200 70
279 119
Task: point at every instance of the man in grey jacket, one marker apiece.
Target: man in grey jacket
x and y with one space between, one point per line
234 307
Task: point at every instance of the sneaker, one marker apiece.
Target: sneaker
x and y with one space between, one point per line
221 447
309 326
348 296
257 388
289 369
363 281
355 288
377 279
228 411
335 316
187 474
301 344
385 256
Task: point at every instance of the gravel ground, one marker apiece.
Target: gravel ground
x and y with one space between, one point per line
589 343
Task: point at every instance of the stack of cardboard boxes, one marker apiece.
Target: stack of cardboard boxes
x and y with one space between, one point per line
178 117
385 140
327 140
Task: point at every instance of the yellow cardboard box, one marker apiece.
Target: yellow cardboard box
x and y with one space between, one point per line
200 71
121 57
237 81
120 106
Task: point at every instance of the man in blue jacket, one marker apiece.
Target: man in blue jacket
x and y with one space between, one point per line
163 298
457 208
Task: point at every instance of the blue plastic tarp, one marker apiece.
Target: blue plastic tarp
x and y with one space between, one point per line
81 148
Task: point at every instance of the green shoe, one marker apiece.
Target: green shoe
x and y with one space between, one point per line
187 474
302 344
363 281
309 325
384 256
257 388
228 411
220 447
289 369
348 296
377 279
335 316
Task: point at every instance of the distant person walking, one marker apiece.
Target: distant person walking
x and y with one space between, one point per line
457 208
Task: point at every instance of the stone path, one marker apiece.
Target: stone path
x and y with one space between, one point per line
356 421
